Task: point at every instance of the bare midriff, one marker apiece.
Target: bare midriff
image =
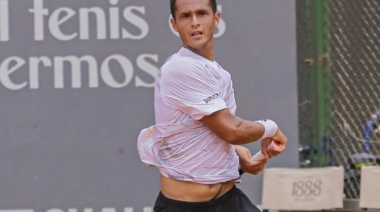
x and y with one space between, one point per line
191 191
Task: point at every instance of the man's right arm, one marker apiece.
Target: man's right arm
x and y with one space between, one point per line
237 131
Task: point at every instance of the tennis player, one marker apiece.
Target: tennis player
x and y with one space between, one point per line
196 142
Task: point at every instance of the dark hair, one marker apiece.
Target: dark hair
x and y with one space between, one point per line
173 7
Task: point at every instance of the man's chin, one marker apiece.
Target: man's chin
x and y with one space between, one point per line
197 47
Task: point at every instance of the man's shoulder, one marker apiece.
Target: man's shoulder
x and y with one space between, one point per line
180 57
182 63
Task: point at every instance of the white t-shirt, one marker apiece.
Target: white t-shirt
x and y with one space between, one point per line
189 87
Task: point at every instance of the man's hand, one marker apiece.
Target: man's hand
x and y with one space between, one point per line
248 165
280 141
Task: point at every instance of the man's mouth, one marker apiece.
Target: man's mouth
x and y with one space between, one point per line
196 34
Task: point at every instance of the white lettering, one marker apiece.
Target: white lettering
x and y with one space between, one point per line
55 210
84 23
76 78
4 20
114 20
148 68
111 24
126 67
6 71
145 209
56 19
136 21
115 71
108 210
39 13
34 63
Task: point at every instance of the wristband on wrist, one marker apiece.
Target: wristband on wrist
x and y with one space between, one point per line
270 128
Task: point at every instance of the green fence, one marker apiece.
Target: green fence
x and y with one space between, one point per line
339 84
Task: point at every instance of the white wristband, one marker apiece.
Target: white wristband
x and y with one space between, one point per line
270 128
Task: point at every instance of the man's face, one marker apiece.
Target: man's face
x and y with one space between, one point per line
195 22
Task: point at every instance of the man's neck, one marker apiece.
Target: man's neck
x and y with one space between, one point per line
205 53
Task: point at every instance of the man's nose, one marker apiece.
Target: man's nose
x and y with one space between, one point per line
194 21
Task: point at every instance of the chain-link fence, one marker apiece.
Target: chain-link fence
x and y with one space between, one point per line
355 41
354 29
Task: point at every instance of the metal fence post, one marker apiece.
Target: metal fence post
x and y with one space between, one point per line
323 84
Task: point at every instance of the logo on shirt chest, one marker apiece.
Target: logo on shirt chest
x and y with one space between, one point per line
208 99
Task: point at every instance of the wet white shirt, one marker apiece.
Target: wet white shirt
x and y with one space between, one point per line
189 87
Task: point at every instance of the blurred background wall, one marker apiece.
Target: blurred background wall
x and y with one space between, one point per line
76 88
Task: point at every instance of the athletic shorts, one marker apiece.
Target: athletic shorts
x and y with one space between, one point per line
232 201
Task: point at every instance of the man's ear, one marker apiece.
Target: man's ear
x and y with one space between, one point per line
218 15
174 24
